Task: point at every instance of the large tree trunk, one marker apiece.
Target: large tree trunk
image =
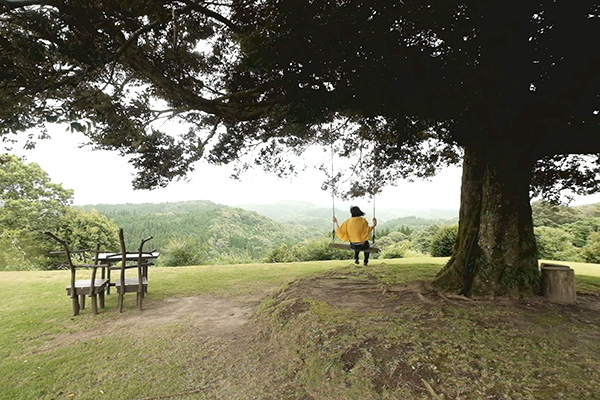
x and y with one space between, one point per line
495 252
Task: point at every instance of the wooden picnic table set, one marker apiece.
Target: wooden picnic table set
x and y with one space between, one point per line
96 286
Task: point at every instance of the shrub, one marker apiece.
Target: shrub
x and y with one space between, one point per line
180 252
442 243
390 239
16 254
400 250
555 244
582 229
421 239
281 254
84 229
316 250
591 251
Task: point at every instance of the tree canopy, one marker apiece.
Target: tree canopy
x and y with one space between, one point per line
511 90
410 80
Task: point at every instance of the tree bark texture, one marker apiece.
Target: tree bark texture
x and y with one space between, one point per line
495 252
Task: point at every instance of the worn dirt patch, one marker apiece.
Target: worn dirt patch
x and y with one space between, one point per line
367 293
211 315
208 315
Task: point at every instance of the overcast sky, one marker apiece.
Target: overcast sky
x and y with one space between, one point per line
105 177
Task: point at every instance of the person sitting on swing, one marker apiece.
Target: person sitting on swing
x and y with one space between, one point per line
357 231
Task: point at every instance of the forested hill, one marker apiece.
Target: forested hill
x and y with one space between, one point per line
206 232
413 222
203 232
298 213
317 217
221 233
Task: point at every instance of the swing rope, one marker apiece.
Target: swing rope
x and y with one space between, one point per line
333 199
371 249
332 196
373 217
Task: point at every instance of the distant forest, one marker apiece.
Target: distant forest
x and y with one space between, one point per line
202 232
220 233
215 233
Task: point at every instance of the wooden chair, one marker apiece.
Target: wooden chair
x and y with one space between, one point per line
78 289
139 284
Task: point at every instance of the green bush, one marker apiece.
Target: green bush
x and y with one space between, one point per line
182 252
280 254
85 229
316 250
390 239
555 244
401 249
421 239
17 253
442 243
591 251
582 229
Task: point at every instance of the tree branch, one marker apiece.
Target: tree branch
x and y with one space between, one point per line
136 59
571 139
210 13
12 4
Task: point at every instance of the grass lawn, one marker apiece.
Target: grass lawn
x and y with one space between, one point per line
314 330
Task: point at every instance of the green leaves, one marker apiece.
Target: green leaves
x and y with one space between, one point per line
31 204
30 201
442 243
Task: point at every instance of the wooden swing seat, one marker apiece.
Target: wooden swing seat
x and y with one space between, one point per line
344 246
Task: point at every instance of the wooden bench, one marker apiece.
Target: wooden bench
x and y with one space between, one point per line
78 289
140 264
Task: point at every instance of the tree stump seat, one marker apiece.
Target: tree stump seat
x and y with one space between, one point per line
558 283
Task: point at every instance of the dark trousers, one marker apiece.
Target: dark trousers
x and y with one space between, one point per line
360 247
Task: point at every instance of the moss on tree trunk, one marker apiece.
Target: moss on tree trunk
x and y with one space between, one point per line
495 252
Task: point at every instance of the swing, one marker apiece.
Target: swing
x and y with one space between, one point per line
346 246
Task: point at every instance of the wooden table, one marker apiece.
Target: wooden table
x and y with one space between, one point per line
114 258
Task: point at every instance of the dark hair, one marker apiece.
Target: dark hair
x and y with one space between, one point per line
356 212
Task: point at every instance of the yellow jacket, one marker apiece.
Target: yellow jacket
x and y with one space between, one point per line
355 230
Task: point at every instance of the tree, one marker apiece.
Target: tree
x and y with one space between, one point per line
512 90
31 204
443 241
591 251
553 215
555 244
